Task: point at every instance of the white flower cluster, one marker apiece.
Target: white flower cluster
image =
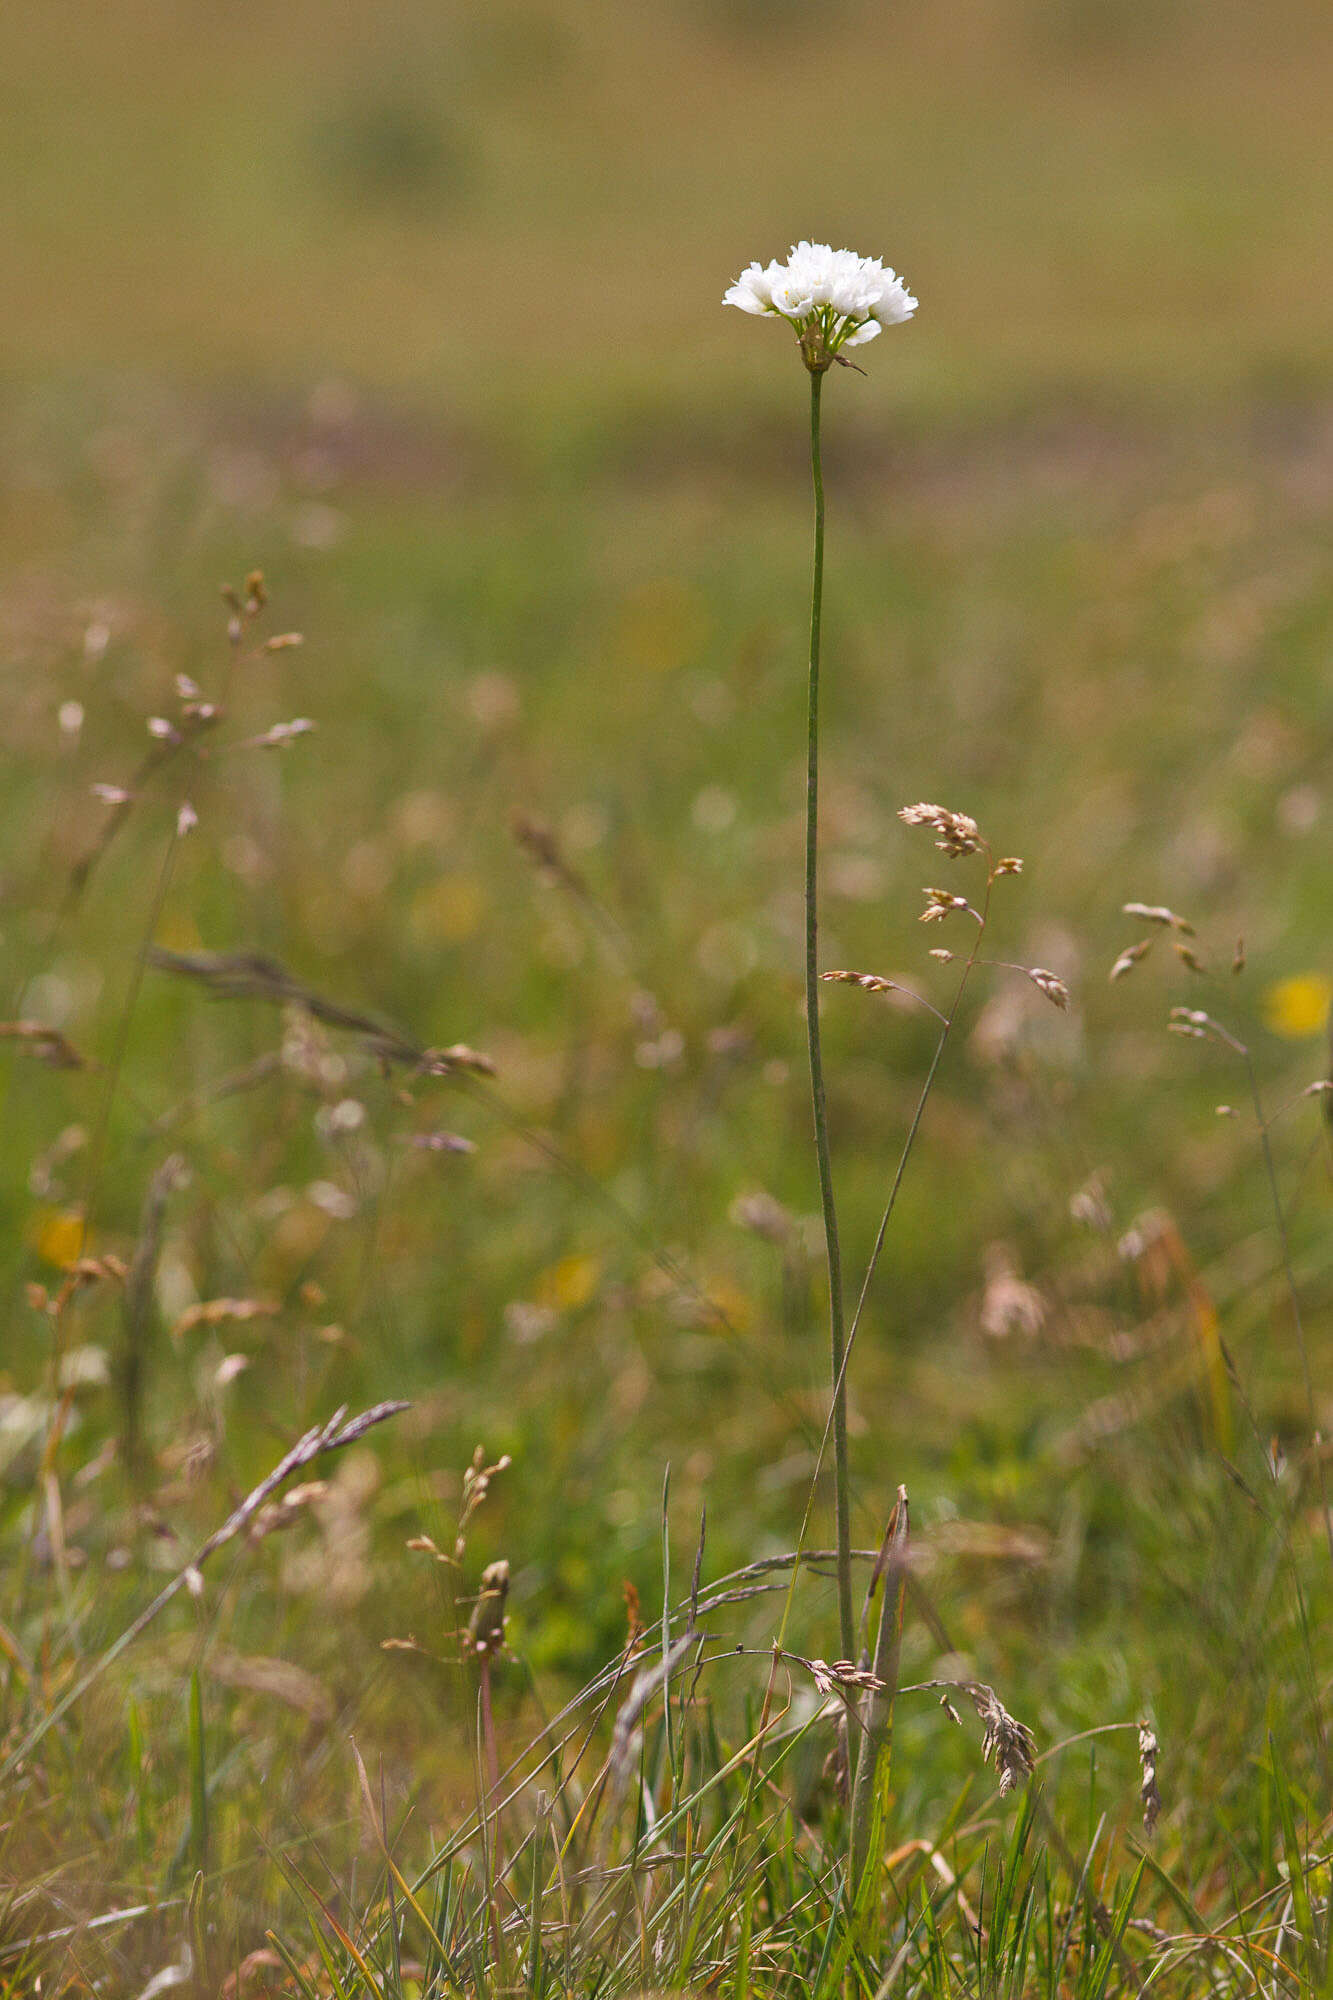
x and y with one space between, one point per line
831 298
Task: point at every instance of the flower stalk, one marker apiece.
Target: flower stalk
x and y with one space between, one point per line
833 1252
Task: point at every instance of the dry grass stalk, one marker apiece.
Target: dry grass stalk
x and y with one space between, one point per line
139 1281
642 1689
47 1044
338 1432
216 1312
252 976
539 842
876 1715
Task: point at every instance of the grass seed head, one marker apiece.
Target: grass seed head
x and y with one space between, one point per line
1009 1744
1089 1205
1050 984
1148 1792
486 1627
958 833
1009 1304
1129 958
1157 913
939 904
843 1677
763 1215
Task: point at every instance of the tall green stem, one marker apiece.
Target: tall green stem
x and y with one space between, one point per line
837 1337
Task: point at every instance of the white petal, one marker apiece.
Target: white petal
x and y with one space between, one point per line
752 291
894 303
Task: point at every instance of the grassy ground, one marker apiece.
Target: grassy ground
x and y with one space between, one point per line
420 317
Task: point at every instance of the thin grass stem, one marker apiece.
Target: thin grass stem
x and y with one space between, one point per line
1284 1246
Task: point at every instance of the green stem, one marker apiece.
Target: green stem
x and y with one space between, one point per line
876 1711
837 1338
1284 1246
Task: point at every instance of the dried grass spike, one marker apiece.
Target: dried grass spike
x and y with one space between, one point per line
1008 1743
1129 958
1157 913
1050 984
763 1215
1148 1792
958 833
486 1627
444 1062
843 1677
213 1312
939 904
870 982
440 1142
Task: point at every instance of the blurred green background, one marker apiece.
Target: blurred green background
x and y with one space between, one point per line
418 309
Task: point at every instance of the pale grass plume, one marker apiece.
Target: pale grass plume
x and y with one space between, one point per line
941 903
958 832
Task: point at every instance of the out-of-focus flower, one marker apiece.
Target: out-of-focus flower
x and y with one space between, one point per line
830 298
1296 1008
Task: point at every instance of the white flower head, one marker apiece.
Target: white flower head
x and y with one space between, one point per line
830 298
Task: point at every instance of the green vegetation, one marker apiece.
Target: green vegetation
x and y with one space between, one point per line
419 315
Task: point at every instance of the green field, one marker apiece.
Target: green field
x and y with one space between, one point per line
416 311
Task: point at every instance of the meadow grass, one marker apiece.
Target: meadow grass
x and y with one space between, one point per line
552 809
